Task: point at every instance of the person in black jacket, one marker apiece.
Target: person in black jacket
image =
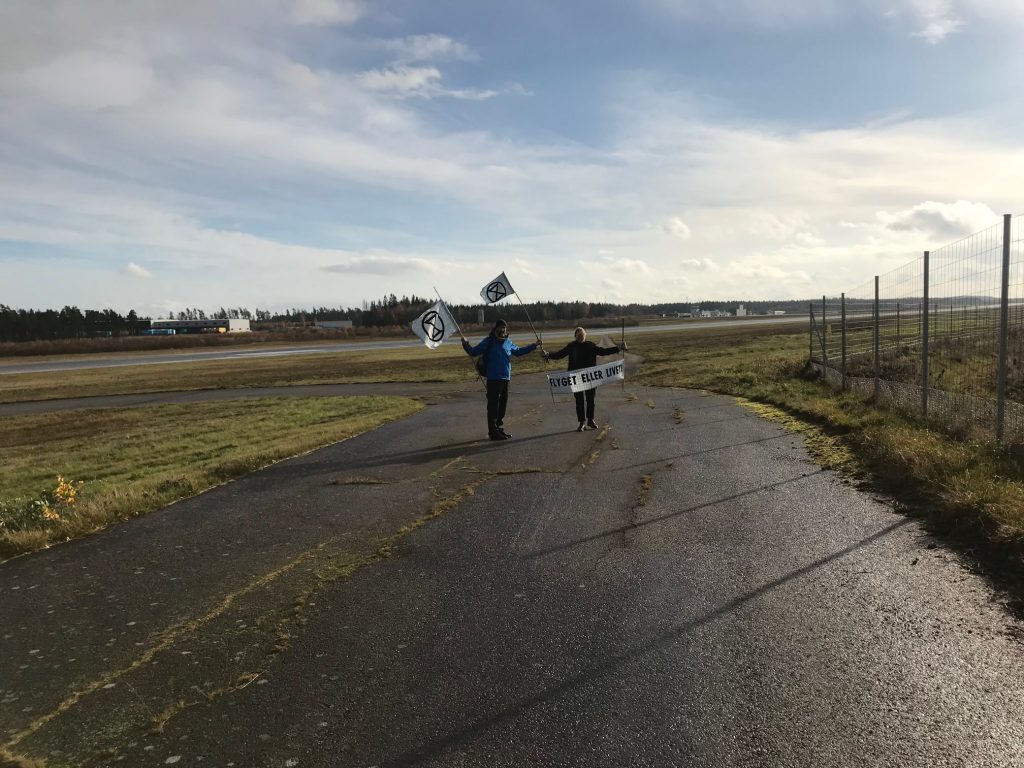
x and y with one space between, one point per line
583 354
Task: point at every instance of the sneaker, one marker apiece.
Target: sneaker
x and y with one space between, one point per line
591 424
504 435
496 436
582 427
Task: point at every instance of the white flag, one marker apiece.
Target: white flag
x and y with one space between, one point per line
434 326
496 290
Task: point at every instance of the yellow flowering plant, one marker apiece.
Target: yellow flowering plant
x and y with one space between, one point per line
49 508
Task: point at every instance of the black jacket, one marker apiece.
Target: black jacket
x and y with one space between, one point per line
582 354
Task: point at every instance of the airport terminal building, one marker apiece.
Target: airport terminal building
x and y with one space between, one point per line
227 325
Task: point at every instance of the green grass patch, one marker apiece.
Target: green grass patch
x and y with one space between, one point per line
125 462
445 364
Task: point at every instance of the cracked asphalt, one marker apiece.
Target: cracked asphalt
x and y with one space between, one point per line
683 587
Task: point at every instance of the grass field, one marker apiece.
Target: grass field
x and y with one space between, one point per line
447 363
117 464
975 488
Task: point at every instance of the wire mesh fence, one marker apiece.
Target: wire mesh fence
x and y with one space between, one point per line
942 336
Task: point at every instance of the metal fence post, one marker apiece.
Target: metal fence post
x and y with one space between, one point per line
810 334
877 340
1004 331
842 341
824 337
924 342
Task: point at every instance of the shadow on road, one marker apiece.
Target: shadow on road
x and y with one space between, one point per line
418 456
704 452
611 664
660 518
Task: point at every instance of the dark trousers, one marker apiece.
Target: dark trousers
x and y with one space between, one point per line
587 394
497 399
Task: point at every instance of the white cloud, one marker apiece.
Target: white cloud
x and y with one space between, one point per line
523 267
677 228
941 220
386 264
402 80
88 80
808 239
701 265
936 19
428 48
326 12
423 82
518 89
938 30
134 270
626 267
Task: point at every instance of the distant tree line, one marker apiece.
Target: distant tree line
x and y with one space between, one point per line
67 323
234 313
390 310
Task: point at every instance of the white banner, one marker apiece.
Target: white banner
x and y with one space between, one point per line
434 326
496 290
586 378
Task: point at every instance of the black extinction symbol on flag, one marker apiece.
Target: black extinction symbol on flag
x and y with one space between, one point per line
496 291
433 326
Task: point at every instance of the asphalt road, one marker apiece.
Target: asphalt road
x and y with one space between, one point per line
681 588
11 366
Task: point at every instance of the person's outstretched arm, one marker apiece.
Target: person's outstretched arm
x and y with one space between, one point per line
470 349
559 354
520 351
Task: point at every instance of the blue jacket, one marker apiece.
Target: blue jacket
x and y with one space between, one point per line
499 355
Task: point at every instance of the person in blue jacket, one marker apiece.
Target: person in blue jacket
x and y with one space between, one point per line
499 351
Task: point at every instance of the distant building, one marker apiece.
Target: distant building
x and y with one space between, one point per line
334 325
741 311
778 312
226 325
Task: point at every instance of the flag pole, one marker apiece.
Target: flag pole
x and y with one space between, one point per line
450 314
623 318
534 332
528 317
455 320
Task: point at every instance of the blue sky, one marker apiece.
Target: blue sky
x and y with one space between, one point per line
278 153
